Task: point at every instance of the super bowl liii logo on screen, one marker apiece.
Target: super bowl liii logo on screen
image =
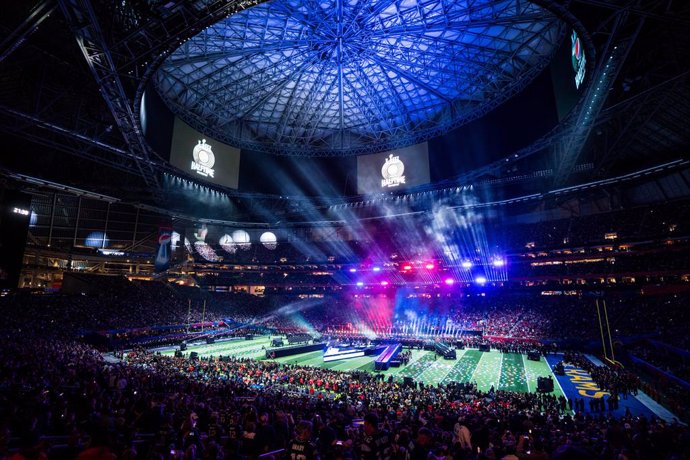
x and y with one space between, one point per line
392 172
204 159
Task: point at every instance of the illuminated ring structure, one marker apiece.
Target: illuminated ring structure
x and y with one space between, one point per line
335 77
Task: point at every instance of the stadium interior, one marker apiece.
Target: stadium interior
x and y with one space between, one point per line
373 229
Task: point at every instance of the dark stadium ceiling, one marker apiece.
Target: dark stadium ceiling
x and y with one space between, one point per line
72 73
337 77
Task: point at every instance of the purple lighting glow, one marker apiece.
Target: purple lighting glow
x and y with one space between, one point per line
353 270
499 262
360 283
466 264
377 269
449 281
480 280
384 283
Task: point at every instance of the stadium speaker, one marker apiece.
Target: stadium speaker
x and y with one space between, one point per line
248 337
544 385
210 340
534 356
178 354
194 355
183 346
484 347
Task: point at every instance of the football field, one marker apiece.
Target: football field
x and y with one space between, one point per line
505 371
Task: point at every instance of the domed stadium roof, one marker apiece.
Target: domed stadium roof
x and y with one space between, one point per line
338 77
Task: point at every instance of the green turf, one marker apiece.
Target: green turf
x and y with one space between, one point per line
509 371
513 373
303 360
436 371
418 366
488 370
535 369
239 349
464 367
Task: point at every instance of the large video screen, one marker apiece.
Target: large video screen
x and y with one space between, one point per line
393 170
569 74
204 158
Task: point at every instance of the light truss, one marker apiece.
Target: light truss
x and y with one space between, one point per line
70 141
14 40
93 45
324 78
111 56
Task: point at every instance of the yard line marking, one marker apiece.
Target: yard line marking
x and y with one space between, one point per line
556 379
524 366
500 371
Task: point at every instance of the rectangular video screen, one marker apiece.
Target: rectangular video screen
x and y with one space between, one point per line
393 170
204 158
569 74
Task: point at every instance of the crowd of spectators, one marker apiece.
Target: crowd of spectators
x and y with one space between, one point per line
146 309
663 357
630 262
615 379
670 386
62 400
639 223
59 398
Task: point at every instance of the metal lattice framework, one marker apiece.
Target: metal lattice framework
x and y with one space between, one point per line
66 110
339 78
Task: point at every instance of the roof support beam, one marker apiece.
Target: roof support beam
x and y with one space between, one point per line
30 25
621 40
85 25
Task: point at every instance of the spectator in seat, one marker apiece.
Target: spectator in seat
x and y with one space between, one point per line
462 435
301 447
